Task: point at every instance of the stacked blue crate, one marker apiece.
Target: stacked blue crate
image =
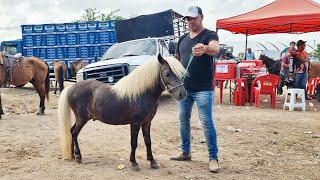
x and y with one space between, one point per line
61 52
93 37
68 40
84 51
73 52
103 49
28 52
60 28
51 53
94 51
83 38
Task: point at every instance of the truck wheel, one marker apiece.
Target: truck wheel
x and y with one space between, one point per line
20 86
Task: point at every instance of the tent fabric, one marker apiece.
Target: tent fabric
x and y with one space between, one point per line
281 16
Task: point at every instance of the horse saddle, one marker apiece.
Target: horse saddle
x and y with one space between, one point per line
11 62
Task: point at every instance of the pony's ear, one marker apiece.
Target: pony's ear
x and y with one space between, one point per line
160 59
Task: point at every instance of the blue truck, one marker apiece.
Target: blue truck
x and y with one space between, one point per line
68 42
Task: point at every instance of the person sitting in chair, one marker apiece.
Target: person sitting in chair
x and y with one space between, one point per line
249 55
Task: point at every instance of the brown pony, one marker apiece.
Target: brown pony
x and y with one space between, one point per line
23 70
59 69
315 70
132 100
76 66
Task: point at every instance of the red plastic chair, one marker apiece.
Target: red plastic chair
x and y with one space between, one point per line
311 86
267 85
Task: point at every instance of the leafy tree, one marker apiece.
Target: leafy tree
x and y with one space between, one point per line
316 52
91 14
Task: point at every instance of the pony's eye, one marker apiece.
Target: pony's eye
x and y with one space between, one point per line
166 74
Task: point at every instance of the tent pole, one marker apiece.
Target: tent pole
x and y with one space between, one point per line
245 54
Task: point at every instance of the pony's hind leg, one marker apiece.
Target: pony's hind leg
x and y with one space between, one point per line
41 92
55 88
1 111
134 143
75 132
72 144
147 141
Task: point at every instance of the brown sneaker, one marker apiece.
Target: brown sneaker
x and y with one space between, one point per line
214 166
182 157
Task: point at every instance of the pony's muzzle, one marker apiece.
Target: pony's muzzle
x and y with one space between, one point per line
183 95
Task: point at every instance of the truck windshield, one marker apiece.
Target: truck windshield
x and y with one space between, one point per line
131 48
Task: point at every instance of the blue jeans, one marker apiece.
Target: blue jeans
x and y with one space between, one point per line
204 100
301 81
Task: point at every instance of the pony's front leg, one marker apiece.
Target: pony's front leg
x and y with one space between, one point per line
134 143
147 141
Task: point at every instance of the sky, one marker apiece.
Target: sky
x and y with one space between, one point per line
15 13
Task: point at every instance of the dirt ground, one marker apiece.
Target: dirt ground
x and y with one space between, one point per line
254 143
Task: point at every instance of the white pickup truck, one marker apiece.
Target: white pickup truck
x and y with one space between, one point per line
122 58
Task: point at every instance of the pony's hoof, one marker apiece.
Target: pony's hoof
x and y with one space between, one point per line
154 165
40 113
136 168
54 92
78 159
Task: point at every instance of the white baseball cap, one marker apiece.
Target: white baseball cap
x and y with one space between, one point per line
193 11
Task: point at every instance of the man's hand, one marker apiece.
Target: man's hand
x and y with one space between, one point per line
199 49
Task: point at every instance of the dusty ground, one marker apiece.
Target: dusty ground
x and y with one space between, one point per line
255 143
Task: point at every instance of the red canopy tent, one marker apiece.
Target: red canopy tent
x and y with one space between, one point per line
281 16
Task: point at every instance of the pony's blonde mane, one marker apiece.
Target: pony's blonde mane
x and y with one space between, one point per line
145 77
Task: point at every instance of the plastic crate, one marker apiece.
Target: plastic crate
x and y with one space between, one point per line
61 52
39 40
71 27
92 25
225 70
104 37
27 41
73 52
82 26
40 53
103 49
112 37
28 52
112 24
94 51
84 52
49 28
104 25
27 29
61 39
37 28
72 39
50 40
60 28
51 53
83 38
93 37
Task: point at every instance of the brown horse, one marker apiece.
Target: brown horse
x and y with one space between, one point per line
132 100
23 70
59 69
315 70
76 66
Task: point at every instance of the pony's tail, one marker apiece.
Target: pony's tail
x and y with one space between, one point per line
47 82
64 116
61 79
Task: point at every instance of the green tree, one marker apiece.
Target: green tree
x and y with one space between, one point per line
91 14
316 52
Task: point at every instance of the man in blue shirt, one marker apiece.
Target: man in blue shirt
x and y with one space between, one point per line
249 55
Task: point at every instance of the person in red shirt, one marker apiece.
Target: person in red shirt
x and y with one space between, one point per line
299 66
